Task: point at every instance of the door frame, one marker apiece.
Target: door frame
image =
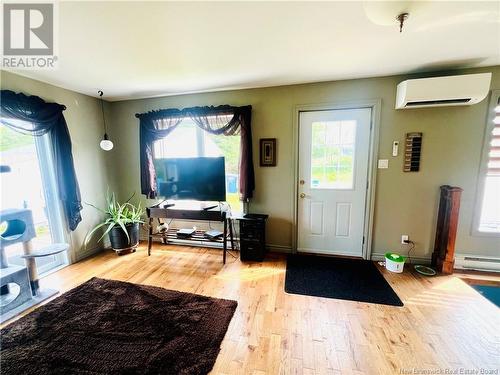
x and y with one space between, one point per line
375 106
55 214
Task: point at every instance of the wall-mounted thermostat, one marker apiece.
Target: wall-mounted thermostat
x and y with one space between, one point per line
395 148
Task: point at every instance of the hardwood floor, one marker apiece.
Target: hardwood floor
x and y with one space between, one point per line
445 324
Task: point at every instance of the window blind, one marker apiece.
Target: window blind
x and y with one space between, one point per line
494 153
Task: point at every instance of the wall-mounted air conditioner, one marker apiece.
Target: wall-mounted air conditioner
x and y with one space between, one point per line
442 91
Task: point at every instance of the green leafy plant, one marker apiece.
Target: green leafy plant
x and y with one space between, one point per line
117 214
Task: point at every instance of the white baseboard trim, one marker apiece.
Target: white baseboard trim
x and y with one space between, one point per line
271 247
477 262
462 261
81 255
279 248
414 260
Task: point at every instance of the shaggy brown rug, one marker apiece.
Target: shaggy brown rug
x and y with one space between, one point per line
113 327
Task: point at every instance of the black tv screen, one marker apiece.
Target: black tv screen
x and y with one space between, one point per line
201 179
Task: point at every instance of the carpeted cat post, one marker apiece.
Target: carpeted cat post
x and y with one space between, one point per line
15 288
19 287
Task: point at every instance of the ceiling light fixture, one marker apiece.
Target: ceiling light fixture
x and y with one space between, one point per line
402 17
105 144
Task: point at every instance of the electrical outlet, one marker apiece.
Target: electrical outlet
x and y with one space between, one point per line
404 238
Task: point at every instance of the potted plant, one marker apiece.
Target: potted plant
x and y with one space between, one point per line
122 224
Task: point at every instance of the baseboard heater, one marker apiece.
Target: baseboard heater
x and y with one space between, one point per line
478 263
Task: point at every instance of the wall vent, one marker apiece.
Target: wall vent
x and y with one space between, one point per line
438 102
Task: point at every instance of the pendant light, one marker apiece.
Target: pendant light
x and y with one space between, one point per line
105 144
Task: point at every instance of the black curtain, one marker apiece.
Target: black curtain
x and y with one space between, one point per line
221 120
40 118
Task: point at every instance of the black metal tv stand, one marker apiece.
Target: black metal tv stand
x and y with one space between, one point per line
191 213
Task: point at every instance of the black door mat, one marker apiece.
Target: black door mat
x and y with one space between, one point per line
341 278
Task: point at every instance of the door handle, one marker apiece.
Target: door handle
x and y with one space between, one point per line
302 195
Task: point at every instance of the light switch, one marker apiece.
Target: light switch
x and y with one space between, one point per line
383 163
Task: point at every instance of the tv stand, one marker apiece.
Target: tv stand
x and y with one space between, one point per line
191 213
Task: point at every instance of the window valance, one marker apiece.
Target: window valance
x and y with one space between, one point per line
39 118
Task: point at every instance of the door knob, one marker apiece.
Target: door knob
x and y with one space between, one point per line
302 195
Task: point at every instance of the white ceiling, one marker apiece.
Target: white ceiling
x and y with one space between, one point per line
144 49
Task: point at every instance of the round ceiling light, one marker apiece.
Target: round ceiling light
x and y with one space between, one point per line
385 13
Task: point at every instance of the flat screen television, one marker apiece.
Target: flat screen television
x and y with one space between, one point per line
201 179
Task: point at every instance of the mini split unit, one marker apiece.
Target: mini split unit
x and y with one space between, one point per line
443 91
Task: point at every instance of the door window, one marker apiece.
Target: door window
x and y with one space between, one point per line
332 154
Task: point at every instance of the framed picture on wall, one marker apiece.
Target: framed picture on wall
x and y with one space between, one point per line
268 152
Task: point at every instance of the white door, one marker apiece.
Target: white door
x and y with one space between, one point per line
333 179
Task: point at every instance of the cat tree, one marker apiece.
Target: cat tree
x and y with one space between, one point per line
19 286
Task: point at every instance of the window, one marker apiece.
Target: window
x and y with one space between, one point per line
489 220
30 183
332 154
188 140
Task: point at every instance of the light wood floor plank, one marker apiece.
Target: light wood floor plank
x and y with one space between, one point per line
444 323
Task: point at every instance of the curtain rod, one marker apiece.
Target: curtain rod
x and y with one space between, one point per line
33 97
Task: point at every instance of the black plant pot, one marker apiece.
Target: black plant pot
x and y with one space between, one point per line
119 240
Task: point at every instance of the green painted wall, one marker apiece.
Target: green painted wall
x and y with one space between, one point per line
84 119
405 203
